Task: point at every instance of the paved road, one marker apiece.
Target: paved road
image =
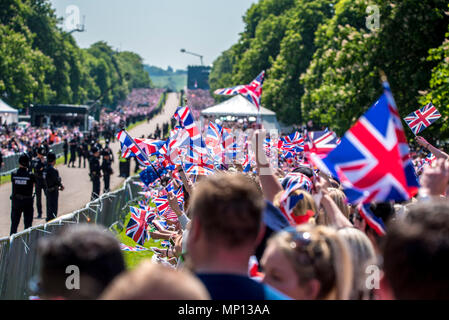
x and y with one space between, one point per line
78 186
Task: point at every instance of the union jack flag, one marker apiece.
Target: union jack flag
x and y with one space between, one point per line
130 148
427 161
149 146
372 161
422 118
201 170
137 225
214 134
252 91
163 206
292 140
374 222
137 248
288 201
321 142
186 120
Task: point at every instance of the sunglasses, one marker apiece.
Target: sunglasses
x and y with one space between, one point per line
302 241
299 236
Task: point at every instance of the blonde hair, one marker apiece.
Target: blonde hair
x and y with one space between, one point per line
339 198
363 255
329 260
301 208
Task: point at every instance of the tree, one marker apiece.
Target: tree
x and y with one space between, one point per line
22 70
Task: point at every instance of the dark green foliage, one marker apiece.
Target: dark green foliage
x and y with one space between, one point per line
322 63
40 63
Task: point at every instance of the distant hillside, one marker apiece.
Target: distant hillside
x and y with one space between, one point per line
169 79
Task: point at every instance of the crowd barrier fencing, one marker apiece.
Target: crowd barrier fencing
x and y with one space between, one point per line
11 162
19 263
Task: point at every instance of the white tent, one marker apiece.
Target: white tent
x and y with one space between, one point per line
7 113
239 106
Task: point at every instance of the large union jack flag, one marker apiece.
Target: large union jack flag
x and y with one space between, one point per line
138 223
422 118
252 91
372 161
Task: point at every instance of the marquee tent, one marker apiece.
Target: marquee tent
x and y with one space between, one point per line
239 106
8 114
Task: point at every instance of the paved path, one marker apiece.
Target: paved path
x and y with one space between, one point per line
78 186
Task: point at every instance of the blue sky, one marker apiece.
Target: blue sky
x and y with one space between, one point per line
158 29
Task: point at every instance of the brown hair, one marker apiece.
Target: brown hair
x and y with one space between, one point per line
229 208
326 259
416 251
151 281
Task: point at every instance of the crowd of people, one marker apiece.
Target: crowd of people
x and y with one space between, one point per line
199 99
139 105
231 238
37 178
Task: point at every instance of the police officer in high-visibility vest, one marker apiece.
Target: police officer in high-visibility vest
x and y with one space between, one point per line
23 181
39 165
95 172
54 185
124 165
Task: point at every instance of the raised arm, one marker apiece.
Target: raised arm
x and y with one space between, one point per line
435 151
331 209
269 183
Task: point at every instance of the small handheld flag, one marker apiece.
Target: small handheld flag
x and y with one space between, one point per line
422 118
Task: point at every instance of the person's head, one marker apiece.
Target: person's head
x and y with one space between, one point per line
384 211
90 251
416 251
226 220
308 262
150 281
339 198
304 208
24 161
362 255
305 171
51 158
41 152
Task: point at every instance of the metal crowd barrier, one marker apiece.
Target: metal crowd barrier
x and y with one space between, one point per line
19 262
12 161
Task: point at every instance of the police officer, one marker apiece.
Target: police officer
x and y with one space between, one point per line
80 152
108 150
73 146
39 166
95 172
106 168
65 147
85 152
54 184
22 181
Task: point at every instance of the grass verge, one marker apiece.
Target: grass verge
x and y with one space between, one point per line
132 259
